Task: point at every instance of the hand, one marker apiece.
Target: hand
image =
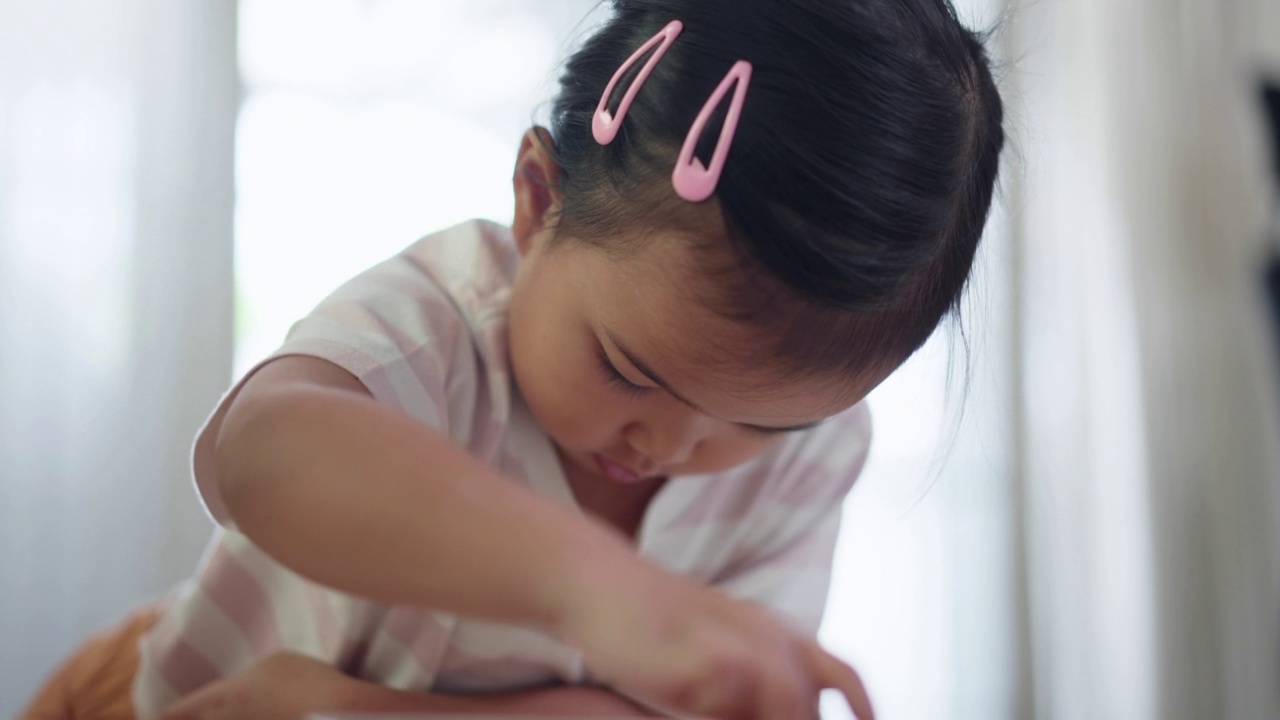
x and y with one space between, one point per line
284 686
668 641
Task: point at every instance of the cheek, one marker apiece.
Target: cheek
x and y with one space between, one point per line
563 388
577 415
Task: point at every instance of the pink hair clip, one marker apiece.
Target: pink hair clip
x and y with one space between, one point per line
693 181
604 127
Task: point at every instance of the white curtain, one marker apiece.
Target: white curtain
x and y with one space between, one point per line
1147 398
116 145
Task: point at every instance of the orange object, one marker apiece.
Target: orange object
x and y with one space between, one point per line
95 682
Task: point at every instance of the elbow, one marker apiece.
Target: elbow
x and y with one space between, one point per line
241 453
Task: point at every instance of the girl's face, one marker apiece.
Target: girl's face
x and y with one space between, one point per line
632 379
624 368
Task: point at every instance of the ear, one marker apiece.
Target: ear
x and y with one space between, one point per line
535 180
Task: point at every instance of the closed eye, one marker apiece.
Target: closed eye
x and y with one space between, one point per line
615 378
781 430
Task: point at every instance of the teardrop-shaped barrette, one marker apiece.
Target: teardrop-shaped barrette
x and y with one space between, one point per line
692 180
604 125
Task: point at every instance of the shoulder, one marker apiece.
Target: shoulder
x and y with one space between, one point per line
471 266
804 476
475 258
425 329
819 466
439 291
789 500
422 331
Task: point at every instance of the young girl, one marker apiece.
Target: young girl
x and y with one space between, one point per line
593 463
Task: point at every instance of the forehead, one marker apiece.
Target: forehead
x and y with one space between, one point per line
650 301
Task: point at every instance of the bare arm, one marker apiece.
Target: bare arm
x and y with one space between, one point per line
557 701
288 685
360 497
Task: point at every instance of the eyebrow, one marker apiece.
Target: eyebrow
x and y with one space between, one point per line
646 370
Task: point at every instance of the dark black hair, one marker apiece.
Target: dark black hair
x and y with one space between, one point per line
858 183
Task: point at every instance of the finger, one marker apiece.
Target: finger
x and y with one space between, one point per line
835 673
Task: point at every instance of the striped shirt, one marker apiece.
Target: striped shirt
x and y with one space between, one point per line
426 333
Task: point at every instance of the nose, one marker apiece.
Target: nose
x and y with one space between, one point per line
668 439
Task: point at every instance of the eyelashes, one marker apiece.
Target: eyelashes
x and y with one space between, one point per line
615 378
767 432
618 381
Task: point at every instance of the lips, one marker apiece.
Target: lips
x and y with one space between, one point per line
616 472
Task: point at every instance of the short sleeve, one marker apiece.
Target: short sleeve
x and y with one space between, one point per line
399 333
785 559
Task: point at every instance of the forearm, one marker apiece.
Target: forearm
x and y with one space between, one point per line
362 498
360 696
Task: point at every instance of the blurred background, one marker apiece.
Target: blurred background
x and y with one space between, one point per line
1088 530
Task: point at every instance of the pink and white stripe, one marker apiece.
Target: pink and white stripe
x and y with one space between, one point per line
426 332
